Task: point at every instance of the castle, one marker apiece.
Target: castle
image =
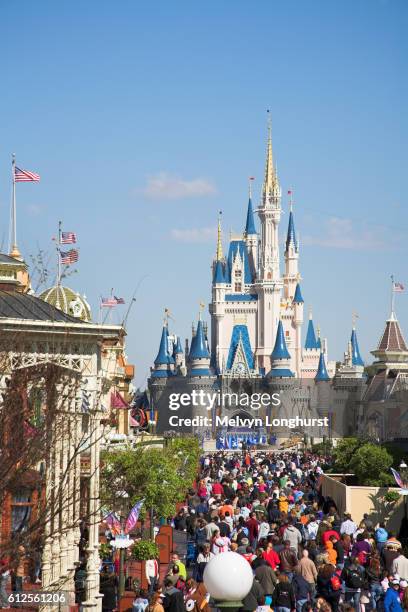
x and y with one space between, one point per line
255 344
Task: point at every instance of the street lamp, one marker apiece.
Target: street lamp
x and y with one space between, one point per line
228 579
403 467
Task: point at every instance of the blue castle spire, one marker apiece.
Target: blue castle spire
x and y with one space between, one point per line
163 357
199 348
219 276
298 298
322 374
250 221
355 351
178 348
311 342
291 236
280 350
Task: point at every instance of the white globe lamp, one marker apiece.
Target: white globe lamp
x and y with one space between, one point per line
228 578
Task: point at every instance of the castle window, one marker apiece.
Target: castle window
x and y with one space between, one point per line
238 280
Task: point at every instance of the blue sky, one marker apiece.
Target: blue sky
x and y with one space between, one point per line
146 118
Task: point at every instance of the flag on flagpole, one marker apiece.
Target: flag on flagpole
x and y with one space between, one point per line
68 238
111 301
133 516
113 523
69 257
398 288
117 400
24 176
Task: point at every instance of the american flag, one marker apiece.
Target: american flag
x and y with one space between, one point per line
22 176
398 287
133 516
68 238
111 301
69 257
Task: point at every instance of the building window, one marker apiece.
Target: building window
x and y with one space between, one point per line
21 507
238 281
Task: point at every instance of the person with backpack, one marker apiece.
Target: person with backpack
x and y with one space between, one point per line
328 585
373 577
302 589
353 576
283 595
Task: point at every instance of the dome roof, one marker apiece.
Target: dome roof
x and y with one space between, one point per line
68 301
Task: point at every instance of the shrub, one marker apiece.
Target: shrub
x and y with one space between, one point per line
144 550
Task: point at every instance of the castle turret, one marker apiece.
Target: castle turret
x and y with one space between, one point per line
217 306
280 357
269 283
298 304
311 341
356 358
178 354
322 374
164 361
291 257
199 357
251 236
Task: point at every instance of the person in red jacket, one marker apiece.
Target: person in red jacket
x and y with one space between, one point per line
253 528
217 489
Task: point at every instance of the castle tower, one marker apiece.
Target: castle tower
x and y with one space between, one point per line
199 357
217 306
291 254
269 283
164 361
251 236
298 304
280 357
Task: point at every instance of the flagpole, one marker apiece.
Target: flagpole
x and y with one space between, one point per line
59 255
392 296
13 238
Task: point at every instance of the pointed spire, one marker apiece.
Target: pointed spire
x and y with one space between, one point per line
177 347
270 174
311 342
219 276
199 348
298 298
356 358
163 354
219 254
250 222
318 338
322 374
280 350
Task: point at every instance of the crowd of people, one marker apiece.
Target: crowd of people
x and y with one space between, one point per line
304 556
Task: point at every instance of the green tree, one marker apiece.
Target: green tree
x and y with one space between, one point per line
343 453
371 464
160 476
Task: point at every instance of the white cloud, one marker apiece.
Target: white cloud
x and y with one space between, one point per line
166 186
342 233
198 234
34 210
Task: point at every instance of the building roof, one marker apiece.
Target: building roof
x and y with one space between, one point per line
238 246
291 236
392 338
322 374
356 358
14 305
250 228
177 347
198 348
68 301
163 357
298 298
219 276
7 259
311 342
280 350
240 335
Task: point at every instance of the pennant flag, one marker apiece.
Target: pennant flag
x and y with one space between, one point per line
119 300
69 257
133 516
24 176
68 238
397 478
398 288
113 523
117 401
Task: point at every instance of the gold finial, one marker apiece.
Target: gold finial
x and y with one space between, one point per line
310 313
166 317
318 331
270 174
219 239
200 310
354 318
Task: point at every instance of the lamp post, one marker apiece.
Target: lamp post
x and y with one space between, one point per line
403 468
228 579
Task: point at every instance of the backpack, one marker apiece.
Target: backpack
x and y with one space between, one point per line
353 579
335 582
